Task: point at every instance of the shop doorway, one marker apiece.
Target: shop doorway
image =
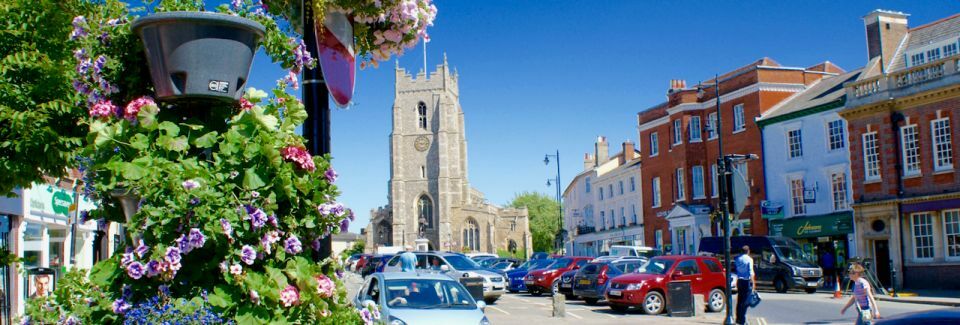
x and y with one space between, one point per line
881 254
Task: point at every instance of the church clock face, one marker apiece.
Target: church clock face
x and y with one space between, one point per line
421 143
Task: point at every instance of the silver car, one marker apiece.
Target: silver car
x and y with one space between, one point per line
417 298
457 266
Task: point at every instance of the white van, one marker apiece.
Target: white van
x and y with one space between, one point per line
648 252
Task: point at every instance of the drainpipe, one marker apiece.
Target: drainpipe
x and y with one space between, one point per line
895 119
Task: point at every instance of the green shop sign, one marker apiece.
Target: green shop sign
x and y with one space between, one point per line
54 202
840 223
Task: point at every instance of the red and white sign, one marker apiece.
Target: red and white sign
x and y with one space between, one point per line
338 60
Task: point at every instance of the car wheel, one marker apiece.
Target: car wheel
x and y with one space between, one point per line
619 308
811 290
591 301
716 302
490 301
653 303
780 285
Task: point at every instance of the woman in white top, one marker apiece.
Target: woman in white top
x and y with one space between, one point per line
862 296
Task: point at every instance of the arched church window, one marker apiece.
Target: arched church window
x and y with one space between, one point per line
425 211
471 235
422 115
384 237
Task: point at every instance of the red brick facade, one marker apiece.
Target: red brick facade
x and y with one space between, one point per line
758 87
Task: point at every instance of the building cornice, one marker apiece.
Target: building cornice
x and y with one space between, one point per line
839 102
902 103
756 87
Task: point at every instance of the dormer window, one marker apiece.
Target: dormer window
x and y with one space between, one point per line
422 115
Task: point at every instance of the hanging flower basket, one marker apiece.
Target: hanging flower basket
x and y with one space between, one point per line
198 55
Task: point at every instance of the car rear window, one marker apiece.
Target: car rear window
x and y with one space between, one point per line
592 268
712 265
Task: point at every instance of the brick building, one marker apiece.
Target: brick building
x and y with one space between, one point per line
678 147
902 114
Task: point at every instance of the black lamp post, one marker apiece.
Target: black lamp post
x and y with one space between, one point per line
724 194
316 129
560 232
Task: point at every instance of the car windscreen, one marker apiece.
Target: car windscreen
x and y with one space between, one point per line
427 294
656 266
461 263
592 268
487 262
793 254
560 263
539 264
501 265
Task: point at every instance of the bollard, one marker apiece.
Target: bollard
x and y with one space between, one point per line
559 305
699 305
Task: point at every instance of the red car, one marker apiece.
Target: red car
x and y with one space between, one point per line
362 262
646 288
548 279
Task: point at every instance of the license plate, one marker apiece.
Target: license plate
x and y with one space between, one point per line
584 281
528 282
812 284
565 285
497 288
615 293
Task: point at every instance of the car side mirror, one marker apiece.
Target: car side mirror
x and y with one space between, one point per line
444 268
482 305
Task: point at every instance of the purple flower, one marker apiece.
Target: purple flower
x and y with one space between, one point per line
154 269
227 228
316 244
120 306
339 273
194 201
268 239
255 194
141 249
84 216
80 54
196 238
248 254
126 292
83 66
173 255
350 214
165 289
330 174
78 30
272 219
324 209
190 184
135 270
126 259
184 244
344 225
235 4
292 245
256 216
98 64
337 209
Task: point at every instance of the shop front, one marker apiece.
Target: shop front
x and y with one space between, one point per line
39 231
821 235
688 223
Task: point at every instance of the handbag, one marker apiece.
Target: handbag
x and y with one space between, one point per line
754 299
866 317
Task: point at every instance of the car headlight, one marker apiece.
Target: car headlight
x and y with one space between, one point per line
396 321
634 286
795 270
484 321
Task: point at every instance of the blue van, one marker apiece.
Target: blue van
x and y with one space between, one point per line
779 261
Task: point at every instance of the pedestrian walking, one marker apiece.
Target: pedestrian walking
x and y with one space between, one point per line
828 265
862 296
408 261
746 283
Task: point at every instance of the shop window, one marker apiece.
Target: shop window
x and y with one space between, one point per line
951 232
922 235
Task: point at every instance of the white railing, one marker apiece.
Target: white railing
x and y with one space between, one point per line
905 78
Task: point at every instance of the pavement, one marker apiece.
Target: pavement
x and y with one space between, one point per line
947 298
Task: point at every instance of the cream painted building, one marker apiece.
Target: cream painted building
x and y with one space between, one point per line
429 194
603 203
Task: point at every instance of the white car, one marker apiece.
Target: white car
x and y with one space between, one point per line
409 298
457 266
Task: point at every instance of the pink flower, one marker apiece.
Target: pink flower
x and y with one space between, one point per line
255 297
245 104
300 156
289 296
236 269
130 112
291 79
103 108
325 286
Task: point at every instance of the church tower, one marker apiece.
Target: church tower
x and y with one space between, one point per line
428 165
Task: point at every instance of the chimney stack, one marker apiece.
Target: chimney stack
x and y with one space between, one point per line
677 84
600 150
628 153
588 161
885 31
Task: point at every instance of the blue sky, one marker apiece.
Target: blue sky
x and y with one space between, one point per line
540 76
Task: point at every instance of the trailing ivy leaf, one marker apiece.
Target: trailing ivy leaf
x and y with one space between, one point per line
170 128
251 180
206 141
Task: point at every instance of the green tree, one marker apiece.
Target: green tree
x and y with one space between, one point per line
39 110
356 248
544 214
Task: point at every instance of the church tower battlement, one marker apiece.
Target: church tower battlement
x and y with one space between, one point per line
440 79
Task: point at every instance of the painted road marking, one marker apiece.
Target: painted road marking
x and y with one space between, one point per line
498 309
574 315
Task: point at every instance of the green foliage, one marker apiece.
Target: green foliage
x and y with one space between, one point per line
544 222
356 248
39 112
505 253
74 296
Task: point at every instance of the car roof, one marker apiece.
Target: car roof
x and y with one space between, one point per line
415 275
678 257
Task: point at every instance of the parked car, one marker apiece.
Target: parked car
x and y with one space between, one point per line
506 264
779 261
490 262
516 276
420 298
348 264
592 280
540 256
566 284
375 264
475 256
648 252
548 279
486 261
928 317
647 287
456 266
358 267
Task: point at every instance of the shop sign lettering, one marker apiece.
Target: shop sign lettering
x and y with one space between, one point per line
808 229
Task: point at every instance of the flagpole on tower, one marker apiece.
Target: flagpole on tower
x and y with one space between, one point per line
425 56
